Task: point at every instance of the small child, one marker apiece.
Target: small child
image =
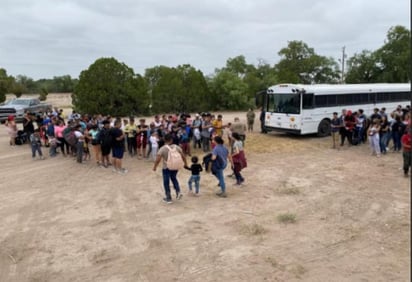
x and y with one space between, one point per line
154 144
53 142
35 141
195 168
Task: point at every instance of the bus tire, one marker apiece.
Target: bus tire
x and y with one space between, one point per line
324 128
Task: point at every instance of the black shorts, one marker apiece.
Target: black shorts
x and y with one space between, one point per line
105 150
117 152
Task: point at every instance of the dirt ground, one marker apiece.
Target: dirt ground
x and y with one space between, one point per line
62 221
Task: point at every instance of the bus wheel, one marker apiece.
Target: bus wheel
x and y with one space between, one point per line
324 128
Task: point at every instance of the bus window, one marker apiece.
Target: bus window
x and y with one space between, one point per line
331 100
363 98
372 98
284 103
340 100
307 101
321 101
348 99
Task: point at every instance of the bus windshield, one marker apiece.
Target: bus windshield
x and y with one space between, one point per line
284 103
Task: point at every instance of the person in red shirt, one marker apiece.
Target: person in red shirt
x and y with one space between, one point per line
406 145
349 122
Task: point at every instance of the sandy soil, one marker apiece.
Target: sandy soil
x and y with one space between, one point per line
61 221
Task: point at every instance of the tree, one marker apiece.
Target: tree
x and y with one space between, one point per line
394 57
180 89
228 91
26 84
300 64
362 68
43 94
110 87
5 84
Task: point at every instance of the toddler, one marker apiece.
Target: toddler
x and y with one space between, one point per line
195 168
35 141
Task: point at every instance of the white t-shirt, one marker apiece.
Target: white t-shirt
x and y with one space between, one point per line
79 135
154 141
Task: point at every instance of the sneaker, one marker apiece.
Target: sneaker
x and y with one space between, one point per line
221 194
114 170
179 196
167 201
123 171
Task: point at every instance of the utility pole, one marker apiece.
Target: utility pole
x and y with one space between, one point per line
343 65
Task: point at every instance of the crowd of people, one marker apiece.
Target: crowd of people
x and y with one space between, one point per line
385 132
106 140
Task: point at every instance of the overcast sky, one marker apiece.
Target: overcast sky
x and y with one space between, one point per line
46 38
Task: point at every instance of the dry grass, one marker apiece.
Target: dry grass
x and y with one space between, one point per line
286 218
252 229
289 191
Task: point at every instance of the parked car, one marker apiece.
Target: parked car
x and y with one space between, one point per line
17 108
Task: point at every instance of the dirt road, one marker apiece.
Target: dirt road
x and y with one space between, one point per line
61 221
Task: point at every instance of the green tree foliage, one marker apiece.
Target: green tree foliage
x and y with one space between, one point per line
110 87
362 68
43 94
229 91
6 83
234 86
300 64
394 57
180 89
390 63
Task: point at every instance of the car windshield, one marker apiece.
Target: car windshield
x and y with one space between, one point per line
284 103
20 102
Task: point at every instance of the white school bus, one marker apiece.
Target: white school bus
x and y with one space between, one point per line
306 109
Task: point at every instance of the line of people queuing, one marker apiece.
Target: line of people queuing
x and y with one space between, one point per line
384 132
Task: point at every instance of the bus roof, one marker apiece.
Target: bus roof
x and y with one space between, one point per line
339 88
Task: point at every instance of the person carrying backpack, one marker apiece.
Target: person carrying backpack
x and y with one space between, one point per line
173 160
220 155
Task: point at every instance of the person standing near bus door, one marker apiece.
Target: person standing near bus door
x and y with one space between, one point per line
336 125
262 121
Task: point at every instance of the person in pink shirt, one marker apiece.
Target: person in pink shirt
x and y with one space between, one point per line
58 133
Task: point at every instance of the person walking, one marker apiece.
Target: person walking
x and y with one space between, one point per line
238 158
220 155
169 175
195 168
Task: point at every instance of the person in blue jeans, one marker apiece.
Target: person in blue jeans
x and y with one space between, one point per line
195 168
169 175
220 155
